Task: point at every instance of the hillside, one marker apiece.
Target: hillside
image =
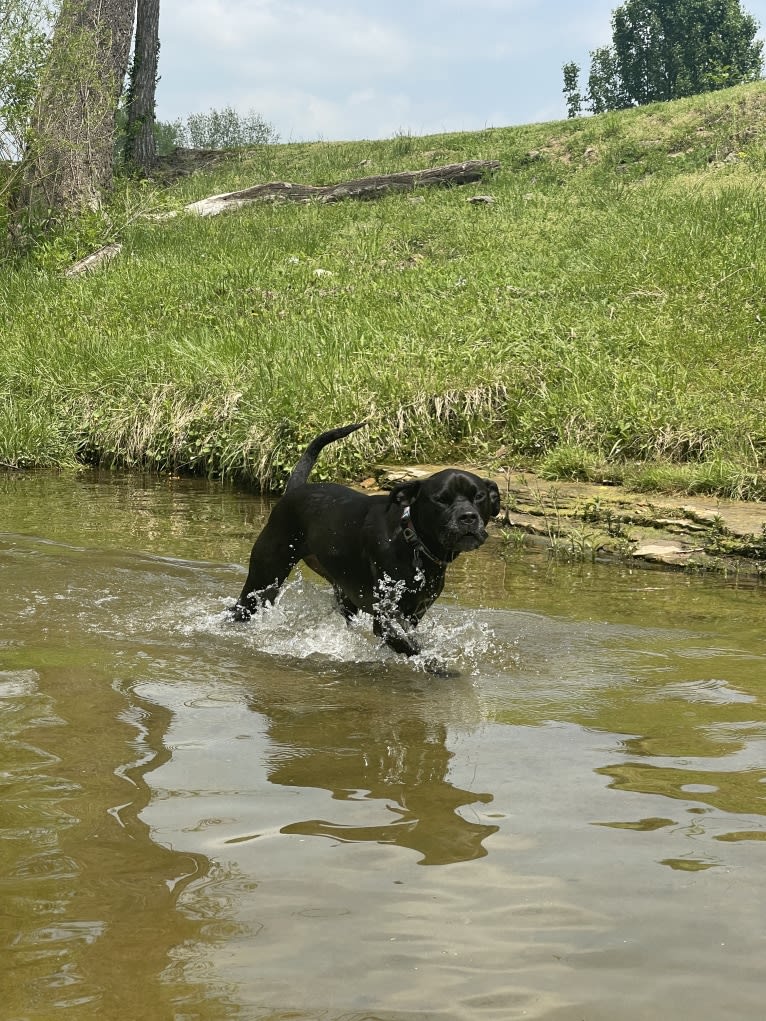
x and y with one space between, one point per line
603 317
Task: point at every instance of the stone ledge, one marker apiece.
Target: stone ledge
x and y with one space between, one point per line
611 522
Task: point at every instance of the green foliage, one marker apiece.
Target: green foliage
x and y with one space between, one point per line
216 129
23 49
53 248
667 49
606 86
571 462
606 310
168 135
571 89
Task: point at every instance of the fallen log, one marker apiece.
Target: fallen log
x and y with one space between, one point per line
91 262
362 188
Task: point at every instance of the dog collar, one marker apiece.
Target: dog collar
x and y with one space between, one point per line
414 540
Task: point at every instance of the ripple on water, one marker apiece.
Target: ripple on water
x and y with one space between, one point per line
713 691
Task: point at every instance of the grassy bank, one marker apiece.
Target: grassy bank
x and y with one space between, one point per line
604 317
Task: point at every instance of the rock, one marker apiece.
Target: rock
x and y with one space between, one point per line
665 551
701 515
680 524
479 199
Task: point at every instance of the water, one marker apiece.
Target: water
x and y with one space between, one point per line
283 820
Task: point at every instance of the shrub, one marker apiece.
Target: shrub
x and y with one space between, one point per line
216 129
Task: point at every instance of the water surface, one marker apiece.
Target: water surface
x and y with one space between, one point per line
283 820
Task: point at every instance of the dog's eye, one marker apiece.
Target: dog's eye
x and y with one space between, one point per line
480 498
444 498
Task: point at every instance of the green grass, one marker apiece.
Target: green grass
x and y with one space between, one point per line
604 317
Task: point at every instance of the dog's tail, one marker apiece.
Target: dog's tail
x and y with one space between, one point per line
301 471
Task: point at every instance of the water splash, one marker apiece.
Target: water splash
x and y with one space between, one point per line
304 623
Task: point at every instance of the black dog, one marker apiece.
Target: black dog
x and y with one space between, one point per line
386 555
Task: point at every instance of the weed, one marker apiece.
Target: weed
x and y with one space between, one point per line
570 462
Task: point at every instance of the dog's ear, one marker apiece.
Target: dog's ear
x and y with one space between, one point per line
405 493
494 497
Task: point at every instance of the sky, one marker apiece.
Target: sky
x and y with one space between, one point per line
351 69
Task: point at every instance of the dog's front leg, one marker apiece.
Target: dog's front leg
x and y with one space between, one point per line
396 637
394 634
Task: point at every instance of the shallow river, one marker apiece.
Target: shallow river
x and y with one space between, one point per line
281 820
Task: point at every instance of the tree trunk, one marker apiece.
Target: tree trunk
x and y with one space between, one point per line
140 147
68 165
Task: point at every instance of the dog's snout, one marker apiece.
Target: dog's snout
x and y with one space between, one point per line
469 517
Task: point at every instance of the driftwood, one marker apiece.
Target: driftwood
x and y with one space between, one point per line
91 262
362 188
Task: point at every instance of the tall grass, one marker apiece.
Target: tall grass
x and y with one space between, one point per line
611 302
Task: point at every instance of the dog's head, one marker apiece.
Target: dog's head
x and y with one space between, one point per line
450 509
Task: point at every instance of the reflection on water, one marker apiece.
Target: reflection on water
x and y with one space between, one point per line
84 887
204 821
394 758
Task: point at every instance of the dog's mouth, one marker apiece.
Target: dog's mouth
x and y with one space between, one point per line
464 542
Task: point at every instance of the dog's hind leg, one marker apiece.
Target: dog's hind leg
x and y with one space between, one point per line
270 564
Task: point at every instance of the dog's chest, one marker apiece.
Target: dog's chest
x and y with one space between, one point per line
417 591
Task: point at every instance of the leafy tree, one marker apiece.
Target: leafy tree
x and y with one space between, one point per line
23 49
606 89
572 88
666 49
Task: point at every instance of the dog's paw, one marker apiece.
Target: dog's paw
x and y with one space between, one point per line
437 668
239 613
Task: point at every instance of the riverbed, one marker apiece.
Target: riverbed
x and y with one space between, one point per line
285 820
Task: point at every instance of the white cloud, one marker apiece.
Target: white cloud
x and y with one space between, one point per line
267 37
